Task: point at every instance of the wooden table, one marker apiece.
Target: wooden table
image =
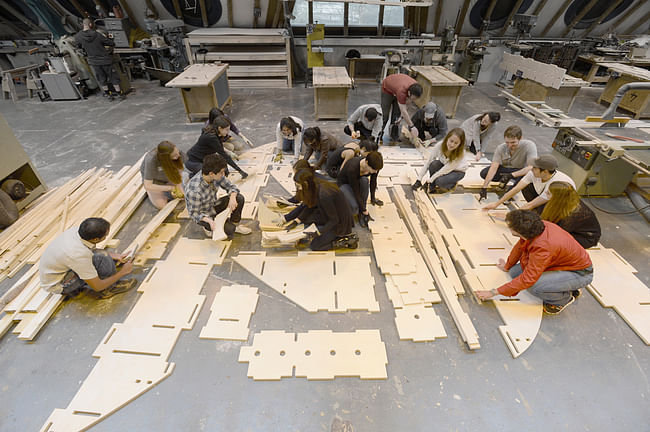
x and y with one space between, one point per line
367 68
202 87
8 76
331 86
636 101
596 64
561 98
447 85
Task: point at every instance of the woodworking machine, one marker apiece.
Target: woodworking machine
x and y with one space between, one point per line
597 166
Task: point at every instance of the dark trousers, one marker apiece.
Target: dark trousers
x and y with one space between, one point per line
389 105
472 148
193 167
72 284
501 170
447 181
364 188
323 242
235 216
359 127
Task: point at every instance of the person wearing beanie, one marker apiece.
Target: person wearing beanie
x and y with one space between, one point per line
534 186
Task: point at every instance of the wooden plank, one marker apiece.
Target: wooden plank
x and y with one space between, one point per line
156 245
418 323
204 13
512 13
230 13
461 17
153 224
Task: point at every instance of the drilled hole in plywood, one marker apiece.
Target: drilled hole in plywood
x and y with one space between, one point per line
138 381
357 352
307 353
149 381
257 353
416 316
282 353
332 352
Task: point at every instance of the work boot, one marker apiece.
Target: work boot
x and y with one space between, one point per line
350 242
120 286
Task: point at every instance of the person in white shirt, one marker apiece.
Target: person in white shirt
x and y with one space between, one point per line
289 135
446 165
365 122
534 186
71 263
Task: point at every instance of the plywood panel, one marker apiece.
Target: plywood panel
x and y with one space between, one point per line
418 323
231 311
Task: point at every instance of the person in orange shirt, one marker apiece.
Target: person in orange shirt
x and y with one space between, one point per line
546 260
396 91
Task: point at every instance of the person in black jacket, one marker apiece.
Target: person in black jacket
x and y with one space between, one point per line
319 142
101 61
430 118
338 158
353 181
325 205
211 141
566 209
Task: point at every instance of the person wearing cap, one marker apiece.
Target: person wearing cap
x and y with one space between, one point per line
512 159
430 119
477 129
534 186
365 122
547 261
396 91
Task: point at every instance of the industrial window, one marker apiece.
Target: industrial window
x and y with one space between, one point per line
328 13
393 16
359 15
594 13
363 15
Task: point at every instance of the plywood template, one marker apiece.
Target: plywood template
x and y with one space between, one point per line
418 323
231 312
268 219
546 74
477 256
250 210
283 173
219 232
316 355
395 255
417 287
316 280
615 286
156 246
133 355
250 186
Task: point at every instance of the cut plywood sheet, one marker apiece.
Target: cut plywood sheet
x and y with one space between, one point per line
316 355
417 287
156 246
418 323
250 210
250 186
394 254
199 251
343 283
155 341
283 173
268 219
231 311
522 316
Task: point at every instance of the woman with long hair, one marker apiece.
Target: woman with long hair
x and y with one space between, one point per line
477 128
289 135
325 205
162 173
211 141
319 142
446 165
236 142
566 209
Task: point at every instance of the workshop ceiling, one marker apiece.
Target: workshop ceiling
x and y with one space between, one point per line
499 14
192 14
594 13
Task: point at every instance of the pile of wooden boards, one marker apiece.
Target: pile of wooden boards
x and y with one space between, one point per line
113 196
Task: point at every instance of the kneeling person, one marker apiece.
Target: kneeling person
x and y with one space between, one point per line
552 264
446 165
354 183
202 202
71 263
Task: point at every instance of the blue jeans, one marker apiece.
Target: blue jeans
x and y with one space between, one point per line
447 181
364 189
72 284
287 145
555 287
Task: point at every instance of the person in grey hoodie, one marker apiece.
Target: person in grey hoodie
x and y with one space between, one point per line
94 44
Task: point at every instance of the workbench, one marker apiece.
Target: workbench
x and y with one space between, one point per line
597 68
447 85
367 68
636 101
562 98
331 86
202 87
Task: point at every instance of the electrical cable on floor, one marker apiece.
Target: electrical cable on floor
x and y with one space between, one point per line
636 210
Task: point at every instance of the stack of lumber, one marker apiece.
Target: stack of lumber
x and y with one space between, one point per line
113 196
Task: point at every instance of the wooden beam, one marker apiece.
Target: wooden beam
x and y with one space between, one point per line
230 19
310 13
79 8
461 17
276 16
436 24
20 16
126 8
204 13
15 28
558 14
643 20
153 9
424 19
486 18
602 17
380 24
514 10
579 16
631 9
177 8
270 13
346 10
539 7
256 6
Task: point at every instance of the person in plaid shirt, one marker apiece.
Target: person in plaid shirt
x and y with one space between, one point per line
202 202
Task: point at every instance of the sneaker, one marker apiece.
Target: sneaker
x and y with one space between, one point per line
207 232
120 286
576 294
244 230
552 309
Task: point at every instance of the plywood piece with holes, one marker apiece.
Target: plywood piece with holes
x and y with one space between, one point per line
268 219
393 293
283 173
343 283
418 323
417 287
250 186
522 316
156 246
180 311
399 154
386 220
394 254
203 251
316 355
114 382
231 311
130 338
614 285
250 210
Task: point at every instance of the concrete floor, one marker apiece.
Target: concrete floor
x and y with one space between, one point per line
587 370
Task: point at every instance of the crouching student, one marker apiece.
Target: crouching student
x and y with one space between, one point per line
324 204
321 143
162 173
354 183
446 165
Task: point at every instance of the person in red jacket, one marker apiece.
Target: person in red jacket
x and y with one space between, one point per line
396 91
552 264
